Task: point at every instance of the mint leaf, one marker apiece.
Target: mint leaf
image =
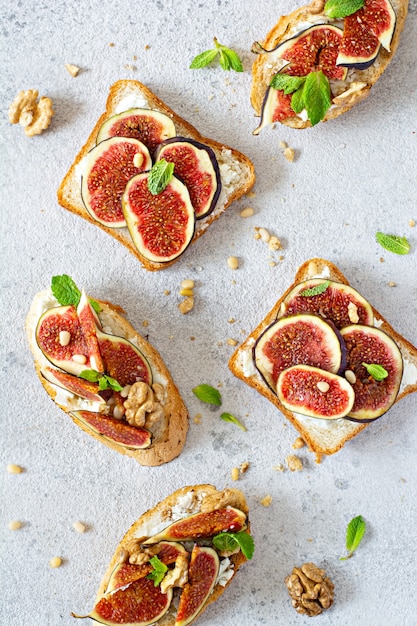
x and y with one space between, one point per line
316 290
227 417
158 572
376 371
112 383
208 394
203 59
91 375
228 542
288 84
95 305
316 95
159 176
354 533
393 243
104 381
233 59
297 100
342 8
65 290
228 58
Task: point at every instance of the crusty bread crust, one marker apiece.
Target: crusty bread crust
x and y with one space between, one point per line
169 436
262 71
320 439
69 192
162 511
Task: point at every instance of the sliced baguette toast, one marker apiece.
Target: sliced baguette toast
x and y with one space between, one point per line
168 433
358 82
178 506
323 437
236 170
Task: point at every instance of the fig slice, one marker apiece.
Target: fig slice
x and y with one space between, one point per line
276 107
294 340
123 360
108 167
314 392
87 320
339 303
372 346
139 604
202 576
78 386
162 225
114 430
197 167
73 356
202 525
148 126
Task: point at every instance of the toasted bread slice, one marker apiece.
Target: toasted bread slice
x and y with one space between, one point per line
168 432
324 437
177 506
351 91
236 170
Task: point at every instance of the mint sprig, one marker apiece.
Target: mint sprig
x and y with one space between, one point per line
208 394
316 290
228 417
376 371
354 534
160 176
393 243
158 572
311 92
228 542
67 293
104 381
342 8
228 58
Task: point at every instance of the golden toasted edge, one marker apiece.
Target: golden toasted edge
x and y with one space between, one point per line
159 509
280 31
406 348
172 441
64 193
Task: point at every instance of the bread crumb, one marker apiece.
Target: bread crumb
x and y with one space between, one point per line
289 154
235 473
197 418
74 70
294 463
279 468
132 68
283 145
231 342
79 527
381 259
167 292
231 320
111 45
147 47
244 467
392 284
12 468
145 323
298 443
274 243
266 500
56 561
15 524
251 194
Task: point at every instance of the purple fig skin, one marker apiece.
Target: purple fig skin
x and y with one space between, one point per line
199 146
78 386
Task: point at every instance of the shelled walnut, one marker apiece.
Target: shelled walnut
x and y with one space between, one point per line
311 591
33 114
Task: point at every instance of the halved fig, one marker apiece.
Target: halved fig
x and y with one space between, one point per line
372 346
197 167
149 127
78 386
295 340
162 225
70 355
87 319
314 392
123 360
139 604
114 429
108 167
202 575
276 107
202 525
339 303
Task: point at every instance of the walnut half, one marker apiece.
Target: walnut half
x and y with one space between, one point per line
33 114
144 404
311 591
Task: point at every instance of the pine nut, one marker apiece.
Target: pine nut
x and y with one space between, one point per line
233 262
125 391
79 358
64 338
248 212
79 527
118 412
138 159
265 236
350 377
187 283
323 386
235 473
55 562
15 524
298 443
14 469
186 292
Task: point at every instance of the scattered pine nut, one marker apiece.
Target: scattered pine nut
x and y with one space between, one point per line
186 292
233 262
72 69
187 283
56 561
298 443
392 284
412 223
186 305
265 236
15 524
231 342
294 463
266 501
79 527
248 212
235 473
14 469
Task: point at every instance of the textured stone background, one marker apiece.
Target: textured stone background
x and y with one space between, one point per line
351 177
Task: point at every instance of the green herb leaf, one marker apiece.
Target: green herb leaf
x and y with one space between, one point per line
65 290
158 572
297 100
230 541
342 8
233 59
95 305
208 394
228 58
393 243
159 176
112 383
316 95
227 417
90 375
104 381
288 84
203 59
354 533
376 371
316 290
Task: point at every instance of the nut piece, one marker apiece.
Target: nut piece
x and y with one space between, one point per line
12 468
56 561
310 590
15 524
144 404
72 69
178 576
35 116
186 305
294 463
232 262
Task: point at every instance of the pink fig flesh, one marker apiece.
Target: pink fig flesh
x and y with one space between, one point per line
78 386
114 430
149 127
123 361
87 320
202 575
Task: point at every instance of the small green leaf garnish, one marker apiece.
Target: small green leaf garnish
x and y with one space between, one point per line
354 533
227 417
393 243
158 572
228 58
159 176
288 84
376 371
230 541
104 381
67 293
208 394
316 290
311 92
342 8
